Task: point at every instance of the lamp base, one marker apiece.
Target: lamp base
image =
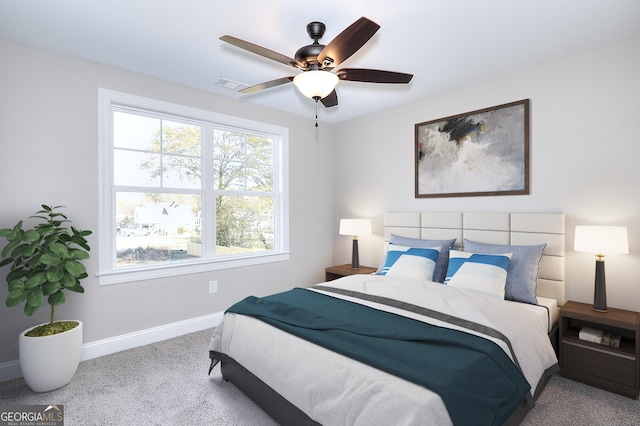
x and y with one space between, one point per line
355 261
600 289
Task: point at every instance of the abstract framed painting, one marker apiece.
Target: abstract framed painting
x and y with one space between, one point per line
483 152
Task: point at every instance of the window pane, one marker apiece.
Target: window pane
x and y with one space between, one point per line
244 224
229 157
146 156
259 177
181 138
228 176
228 145
155 228
134 168
134 131
181 172
243 162
259 150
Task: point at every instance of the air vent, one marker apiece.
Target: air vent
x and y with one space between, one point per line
230 84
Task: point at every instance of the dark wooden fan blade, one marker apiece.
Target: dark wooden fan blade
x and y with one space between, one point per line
347 42
373 76
330 100
262 51
267 84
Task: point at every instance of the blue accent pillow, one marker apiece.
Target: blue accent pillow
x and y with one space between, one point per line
484 273
410 262
522 277
443 257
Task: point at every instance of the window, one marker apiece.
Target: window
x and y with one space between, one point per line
185 190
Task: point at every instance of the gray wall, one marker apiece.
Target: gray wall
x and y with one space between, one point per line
49 155
584 150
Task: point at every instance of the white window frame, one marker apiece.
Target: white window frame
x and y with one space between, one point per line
108 272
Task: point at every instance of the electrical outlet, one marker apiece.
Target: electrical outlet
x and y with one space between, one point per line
213 286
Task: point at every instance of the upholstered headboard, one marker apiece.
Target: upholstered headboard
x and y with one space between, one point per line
494 228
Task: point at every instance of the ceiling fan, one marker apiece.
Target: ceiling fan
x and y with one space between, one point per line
318 81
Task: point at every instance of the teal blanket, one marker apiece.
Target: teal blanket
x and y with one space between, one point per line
474 377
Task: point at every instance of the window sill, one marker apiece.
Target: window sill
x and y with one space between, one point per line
161 271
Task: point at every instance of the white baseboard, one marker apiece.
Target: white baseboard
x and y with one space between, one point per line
11 369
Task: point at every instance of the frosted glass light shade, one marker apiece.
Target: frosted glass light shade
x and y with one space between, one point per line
355 227
316 84
602 240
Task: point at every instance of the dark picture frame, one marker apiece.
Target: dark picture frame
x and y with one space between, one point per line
478 153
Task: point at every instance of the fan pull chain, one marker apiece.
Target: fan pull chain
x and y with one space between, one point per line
316 113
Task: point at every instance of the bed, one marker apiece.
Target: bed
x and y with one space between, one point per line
355 350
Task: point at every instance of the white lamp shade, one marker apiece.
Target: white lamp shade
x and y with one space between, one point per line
355 227
315 83
601 239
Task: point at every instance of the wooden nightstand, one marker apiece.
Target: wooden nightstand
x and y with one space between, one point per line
607 367
339 271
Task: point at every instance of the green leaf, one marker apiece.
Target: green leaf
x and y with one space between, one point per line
55 274
6 231
74 267
36 280
35 297
31 235
21 250
6 262
32 249
49 288
15 298
57 214
78 254
79 232
50 259
45 229
15 285
57 298
67 280
9 247
81 242
59 249
34 262
17 274
50 239
17 230
30 310
77 288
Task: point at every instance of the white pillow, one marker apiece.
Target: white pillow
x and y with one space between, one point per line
411 262
484 273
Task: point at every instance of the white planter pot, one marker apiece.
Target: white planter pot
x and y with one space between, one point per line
49 362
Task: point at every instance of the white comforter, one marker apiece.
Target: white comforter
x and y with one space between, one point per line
335 390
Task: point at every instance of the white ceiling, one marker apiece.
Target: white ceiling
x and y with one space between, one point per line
445 43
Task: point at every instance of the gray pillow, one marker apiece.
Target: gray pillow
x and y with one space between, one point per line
522 276
443 257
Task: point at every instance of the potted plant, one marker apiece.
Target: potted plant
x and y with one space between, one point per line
45 261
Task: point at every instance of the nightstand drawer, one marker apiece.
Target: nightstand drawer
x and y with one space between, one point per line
600 363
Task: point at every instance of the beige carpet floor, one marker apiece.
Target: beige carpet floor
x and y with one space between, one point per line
166 383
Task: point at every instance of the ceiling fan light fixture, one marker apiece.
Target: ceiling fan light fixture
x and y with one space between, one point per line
316 84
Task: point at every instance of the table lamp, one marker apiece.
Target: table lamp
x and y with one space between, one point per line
355 227
601 240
